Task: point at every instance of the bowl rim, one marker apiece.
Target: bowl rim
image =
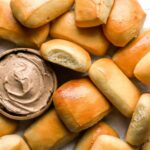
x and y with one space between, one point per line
36 114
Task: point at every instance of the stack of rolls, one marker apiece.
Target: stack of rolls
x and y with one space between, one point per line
69 33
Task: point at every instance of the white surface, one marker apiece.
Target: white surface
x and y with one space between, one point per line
119 122
146 6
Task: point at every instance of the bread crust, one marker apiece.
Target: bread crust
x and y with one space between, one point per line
13 142
48 132
36 13
90 13
91 39
125 22
107 142
127 58
141 71
12 31
89 137
73 102
110 80
139 129
7 126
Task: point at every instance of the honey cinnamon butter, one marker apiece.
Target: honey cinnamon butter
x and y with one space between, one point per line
26 83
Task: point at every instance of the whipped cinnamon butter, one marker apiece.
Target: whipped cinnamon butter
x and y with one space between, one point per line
26 83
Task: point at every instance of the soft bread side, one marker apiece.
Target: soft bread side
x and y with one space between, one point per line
109 79
126 58
90 13
66 54
139 129
34 14
91 39
125 22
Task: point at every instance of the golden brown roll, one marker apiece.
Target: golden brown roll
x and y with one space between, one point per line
66 54
125 22
48 132
146 146
108 78
92 39
142 71
12 31
33 13
139 128
91 13
79 104
127 58
13 142
107 142
7 126
88 139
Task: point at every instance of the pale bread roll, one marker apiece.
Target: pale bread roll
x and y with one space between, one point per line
110 80
13 142
7 126
92 39
48 132
142 71
90 13
125 22
79 104
127 57
89 137
146 146
12 31
107 142
35 13
139 128
66 54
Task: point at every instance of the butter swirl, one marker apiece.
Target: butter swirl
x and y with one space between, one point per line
26 83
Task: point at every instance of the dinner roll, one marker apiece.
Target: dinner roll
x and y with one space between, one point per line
146 146
88 139
107 142
92 39
91 13
66 54
142 71
121 92
7 126
139 128
12 31
79 104
48 133
127 58
33 13
125 22
13 142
